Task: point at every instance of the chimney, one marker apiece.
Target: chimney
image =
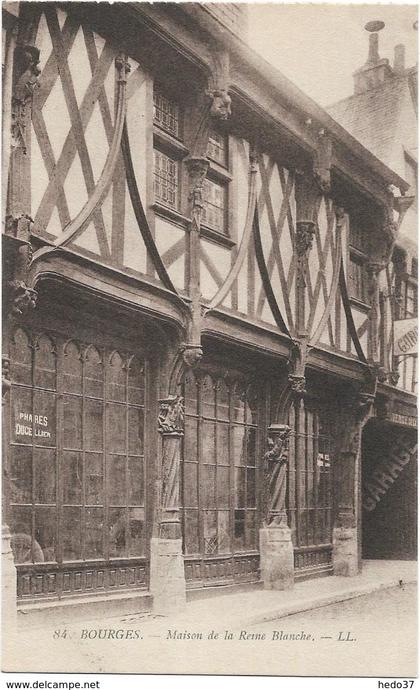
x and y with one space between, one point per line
375 70
399 58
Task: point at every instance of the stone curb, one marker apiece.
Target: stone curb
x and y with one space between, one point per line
319 602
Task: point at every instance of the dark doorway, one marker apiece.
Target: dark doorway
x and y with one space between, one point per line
389 492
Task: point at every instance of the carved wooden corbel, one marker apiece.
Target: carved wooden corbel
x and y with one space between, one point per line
18 297
27 71
191 354
218 88
394 377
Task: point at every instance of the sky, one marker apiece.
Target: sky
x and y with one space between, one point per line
319 46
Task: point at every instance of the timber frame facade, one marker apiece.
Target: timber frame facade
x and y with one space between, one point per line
200 282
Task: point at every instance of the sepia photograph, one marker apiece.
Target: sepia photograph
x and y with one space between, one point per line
209 340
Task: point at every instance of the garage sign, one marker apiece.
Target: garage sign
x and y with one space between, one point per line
405 337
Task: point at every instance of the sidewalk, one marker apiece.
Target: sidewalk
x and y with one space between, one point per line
148 643
258 606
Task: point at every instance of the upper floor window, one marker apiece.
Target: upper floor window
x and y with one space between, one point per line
357 275
166 179
166 113
357 278
217 149
214 209
408 299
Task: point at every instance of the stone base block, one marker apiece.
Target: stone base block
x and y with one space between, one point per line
345 552
167 577
276 558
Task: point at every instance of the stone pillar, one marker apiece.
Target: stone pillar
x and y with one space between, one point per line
167 578
345 554
276 548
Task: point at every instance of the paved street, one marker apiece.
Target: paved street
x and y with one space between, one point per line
372 635
378 635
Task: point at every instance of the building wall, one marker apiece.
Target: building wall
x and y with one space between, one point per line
256 269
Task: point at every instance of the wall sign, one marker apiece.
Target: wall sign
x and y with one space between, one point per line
382 478
32 425
405 337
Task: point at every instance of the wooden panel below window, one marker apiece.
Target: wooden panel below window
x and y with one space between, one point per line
313 562
222 571
34 583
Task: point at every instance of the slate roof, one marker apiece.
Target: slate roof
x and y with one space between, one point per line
372 117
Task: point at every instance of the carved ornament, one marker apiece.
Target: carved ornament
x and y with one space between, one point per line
197 171
27 72
275 462
276 441
123 68
221 104
171 415
22 298
305 230
297 384
340 216
5 374
394 377
191 354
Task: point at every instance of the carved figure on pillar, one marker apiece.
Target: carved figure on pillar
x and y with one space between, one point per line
27 70
197 170
171 415
305 230
275 476
171 427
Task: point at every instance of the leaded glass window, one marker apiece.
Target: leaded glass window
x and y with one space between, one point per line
220 452
77 472
166 113
214 209
166 179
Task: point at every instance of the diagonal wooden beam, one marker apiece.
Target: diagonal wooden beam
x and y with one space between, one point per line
174 252
49 73
49 161
275 244
75 140
211 267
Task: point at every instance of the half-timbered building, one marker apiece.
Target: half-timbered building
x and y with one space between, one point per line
199 301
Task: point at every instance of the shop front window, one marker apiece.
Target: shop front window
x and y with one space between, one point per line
310 470
219 494
77 451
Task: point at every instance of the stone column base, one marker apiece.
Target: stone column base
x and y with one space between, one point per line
276 558
345 553
167 577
